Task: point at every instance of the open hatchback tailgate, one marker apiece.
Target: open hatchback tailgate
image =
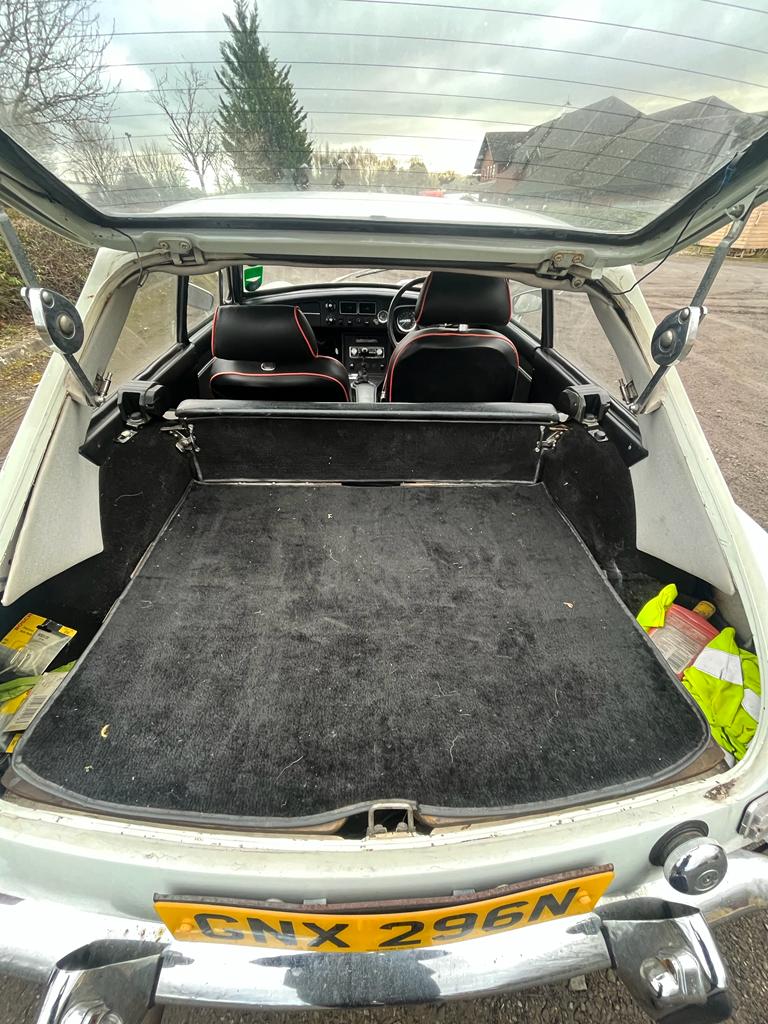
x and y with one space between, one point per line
307 224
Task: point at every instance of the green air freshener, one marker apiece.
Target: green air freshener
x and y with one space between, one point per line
252 278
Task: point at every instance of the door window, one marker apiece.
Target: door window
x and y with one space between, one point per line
149 329
527 305
579 336
202 299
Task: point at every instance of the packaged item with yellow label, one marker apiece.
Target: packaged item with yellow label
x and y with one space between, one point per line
27 651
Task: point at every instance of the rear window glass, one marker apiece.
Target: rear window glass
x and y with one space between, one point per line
599 116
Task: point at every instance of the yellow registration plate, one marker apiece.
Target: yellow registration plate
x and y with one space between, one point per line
360 928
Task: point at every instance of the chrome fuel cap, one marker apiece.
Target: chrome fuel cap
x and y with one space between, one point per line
696 866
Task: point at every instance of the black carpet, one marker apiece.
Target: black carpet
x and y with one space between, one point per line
286 651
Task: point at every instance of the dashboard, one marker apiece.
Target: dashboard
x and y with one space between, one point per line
350 323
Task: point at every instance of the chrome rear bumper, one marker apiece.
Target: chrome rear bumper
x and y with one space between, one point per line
659 944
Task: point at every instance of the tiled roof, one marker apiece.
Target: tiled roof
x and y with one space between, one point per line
612 150
501 145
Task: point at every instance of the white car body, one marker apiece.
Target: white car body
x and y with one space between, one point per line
68 878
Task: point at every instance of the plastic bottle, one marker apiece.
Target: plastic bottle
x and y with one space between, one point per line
684 635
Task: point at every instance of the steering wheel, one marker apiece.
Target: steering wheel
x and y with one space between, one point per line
392 330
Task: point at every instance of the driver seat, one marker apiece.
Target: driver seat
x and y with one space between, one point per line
453 354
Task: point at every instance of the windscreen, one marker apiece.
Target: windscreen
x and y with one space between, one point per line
599 115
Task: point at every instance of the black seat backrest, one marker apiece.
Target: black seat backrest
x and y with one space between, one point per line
269 353
439 361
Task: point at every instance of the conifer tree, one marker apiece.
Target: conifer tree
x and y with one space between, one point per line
261 122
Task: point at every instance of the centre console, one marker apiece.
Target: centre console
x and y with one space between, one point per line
364 347
365 357
353 327
364 392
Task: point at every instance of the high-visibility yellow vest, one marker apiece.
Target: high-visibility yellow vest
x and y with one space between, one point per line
725 683
653 615
724 680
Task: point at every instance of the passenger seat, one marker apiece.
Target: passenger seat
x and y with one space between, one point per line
269 353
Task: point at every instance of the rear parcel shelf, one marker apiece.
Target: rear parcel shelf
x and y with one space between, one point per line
242 440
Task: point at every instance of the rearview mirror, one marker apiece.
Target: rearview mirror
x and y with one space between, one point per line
526 302
200 298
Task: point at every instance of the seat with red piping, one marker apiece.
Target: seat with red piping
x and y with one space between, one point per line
269 353
439 361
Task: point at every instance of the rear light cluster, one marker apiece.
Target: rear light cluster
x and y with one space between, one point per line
754 823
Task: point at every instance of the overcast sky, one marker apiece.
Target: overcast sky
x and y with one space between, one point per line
430 78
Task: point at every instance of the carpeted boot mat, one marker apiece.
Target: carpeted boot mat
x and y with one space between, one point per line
288 651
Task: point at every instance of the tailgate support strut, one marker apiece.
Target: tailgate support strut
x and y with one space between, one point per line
675 334
56 318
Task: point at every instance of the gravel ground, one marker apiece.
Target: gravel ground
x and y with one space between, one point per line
727 379
726 374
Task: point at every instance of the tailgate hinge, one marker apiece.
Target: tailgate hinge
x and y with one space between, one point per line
568 264
181 251
564 260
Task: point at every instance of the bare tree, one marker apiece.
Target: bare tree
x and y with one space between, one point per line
51 55
160 168
94 156
194 134
224 174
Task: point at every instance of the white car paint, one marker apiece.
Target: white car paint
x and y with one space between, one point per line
116 865
113 867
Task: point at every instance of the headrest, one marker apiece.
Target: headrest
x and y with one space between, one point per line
278 334
448 298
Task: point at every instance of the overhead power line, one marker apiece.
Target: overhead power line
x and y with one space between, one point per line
509 74
698 72
560 17
446 71
735 7
432 39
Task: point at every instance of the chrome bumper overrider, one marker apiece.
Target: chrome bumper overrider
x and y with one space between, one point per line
659 944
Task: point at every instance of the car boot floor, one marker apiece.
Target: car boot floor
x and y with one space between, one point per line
289 651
